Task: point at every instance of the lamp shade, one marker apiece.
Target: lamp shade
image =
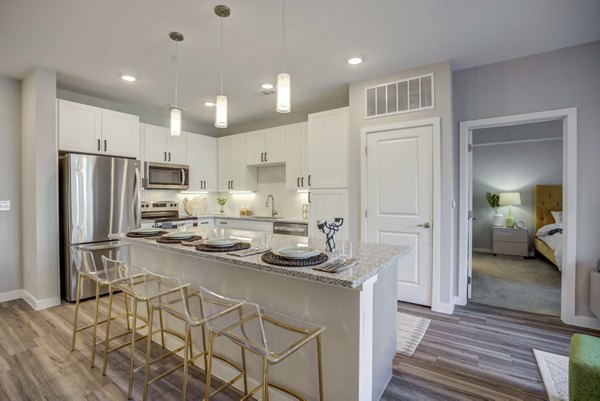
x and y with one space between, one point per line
510 198
175 122
221 112
283 93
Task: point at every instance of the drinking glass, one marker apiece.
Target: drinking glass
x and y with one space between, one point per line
344 249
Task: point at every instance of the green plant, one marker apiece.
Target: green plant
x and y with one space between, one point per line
493 200
222 201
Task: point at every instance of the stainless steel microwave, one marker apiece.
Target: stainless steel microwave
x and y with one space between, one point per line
166 176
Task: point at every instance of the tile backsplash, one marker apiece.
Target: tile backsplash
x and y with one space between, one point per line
271 180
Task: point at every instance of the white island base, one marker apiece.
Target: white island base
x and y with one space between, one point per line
359 342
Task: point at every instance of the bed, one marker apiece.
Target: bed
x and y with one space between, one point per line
547 199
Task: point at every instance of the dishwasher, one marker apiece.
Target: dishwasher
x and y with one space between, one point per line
300 229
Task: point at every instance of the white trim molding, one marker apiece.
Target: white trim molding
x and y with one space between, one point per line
568 287
11 295
40 304
435 123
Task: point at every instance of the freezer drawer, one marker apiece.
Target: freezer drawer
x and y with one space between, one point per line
112 249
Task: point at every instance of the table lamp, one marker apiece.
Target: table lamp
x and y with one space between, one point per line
509 199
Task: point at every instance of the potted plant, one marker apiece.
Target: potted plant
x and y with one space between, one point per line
222 202
494 202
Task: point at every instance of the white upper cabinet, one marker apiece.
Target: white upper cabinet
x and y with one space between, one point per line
233 175
120 134
328 149
89 129
296 176
161 147
265 146
327 204
202 159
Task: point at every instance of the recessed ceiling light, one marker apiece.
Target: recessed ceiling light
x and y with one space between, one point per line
267 86
355 60
209 104
128 78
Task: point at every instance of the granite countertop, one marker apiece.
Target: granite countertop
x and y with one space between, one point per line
296 220
372 257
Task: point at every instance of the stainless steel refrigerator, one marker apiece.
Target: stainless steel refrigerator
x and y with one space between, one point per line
99 195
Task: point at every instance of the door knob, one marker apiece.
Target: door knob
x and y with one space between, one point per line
424 225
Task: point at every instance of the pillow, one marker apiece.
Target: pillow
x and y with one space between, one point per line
543 231
558 216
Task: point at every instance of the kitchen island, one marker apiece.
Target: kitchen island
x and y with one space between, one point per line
357 306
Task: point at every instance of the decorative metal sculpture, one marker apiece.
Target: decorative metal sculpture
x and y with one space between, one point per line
329 230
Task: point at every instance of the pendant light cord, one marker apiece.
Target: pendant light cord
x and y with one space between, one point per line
283 35
221 55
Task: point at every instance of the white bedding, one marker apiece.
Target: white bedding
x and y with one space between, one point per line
554 241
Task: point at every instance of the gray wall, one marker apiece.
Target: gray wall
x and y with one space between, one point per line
443 109
567 77
502 162
10 184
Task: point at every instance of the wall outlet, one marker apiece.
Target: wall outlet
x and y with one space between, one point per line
4 206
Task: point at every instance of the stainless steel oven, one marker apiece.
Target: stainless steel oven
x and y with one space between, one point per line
166 176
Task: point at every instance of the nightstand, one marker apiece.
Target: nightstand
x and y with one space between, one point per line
510 241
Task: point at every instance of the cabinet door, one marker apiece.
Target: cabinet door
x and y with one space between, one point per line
328 149
177 148
120 134
225 161
255 148
79 127
194 160
327 204
303 153
293 156
275 145
155 143
209 162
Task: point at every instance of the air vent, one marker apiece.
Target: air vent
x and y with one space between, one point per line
413 94
268 92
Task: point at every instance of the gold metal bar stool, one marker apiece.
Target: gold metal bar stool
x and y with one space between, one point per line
253 327
87 269
168 295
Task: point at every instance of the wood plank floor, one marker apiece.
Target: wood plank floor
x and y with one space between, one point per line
479 353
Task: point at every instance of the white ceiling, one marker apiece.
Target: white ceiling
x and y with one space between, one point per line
91 43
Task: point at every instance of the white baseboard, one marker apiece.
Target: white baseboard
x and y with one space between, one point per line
457 301
40 304
443 308
482 250
583 321
11 295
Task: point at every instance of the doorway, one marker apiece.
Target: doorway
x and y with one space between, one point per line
400 197
569 196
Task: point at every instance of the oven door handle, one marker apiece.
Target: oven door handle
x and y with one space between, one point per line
182 176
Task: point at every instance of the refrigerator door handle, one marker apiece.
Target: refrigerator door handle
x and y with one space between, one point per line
136 197
80 196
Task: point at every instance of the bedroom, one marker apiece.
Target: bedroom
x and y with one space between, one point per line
517 211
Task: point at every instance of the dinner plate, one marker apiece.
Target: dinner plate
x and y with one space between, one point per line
147 230
180 234
220 242
296 252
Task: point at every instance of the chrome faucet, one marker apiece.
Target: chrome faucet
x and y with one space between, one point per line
273 211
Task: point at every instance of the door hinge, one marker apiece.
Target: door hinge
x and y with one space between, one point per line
470 147
470 215
469 280
365 150
365 213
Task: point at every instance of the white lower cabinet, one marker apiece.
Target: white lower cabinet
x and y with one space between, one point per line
327 204
206 223
236 224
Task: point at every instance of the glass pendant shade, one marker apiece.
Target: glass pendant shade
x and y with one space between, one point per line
221 112
175 122
283 93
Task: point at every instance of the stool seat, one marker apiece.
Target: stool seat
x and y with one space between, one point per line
584 368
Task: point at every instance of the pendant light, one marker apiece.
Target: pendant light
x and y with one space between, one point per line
175 109
283 79
221 100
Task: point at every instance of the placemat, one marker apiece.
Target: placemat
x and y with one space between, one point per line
237 247
167 240
277 260
133 234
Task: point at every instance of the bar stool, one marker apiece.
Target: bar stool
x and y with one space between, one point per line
255 329
168 295
87 269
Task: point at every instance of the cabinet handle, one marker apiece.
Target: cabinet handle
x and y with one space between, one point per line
165 156
223 222
298 182
309 201
302 182
169 156
105 145
231 184
203 184
98 145
266 156
261 157
204 222
309 184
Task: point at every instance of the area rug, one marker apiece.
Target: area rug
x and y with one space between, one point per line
555 373
409 332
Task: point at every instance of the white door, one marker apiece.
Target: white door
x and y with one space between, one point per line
470 220
275 145
120 134
177 148
399 203
79 127
155 143
327 204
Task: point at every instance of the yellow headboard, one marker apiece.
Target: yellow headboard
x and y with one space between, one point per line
548 198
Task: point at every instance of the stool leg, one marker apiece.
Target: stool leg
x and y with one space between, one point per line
131 357
204 349
127 315
148 352
265 389
162 333
320 367
94 338
209 366
244 368
186 361
77 296
107 334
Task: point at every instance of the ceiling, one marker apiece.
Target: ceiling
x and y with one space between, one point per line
91 43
